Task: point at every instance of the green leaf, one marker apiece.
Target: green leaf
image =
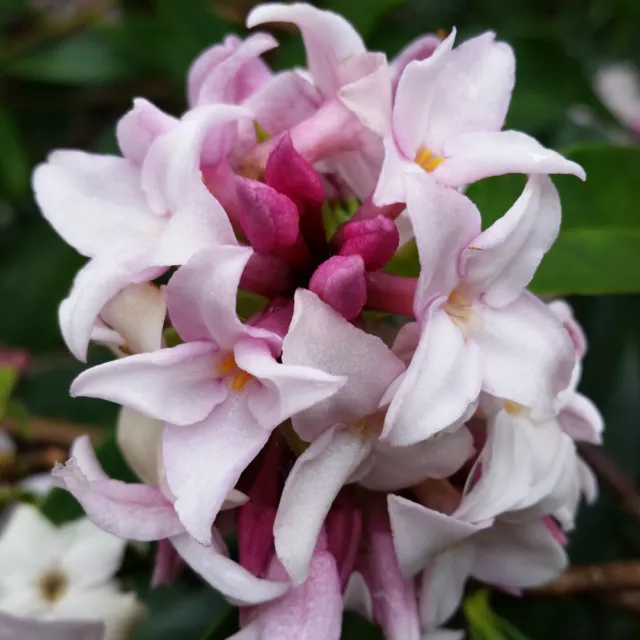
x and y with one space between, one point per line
60 506
85 58
596 251
8 379
14 164
364 14
483 623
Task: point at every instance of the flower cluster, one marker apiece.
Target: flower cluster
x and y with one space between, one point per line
374 439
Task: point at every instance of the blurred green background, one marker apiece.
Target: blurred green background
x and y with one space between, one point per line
70 68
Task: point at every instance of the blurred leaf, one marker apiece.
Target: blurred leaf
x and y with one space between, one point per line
8 379
596 251
224 627
405 262
483 623
365 15
354 627
20 415
85 58
14 165
182 611
60 506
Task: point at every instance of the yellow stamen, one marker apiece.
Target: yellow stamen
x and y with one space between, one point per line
240 380
227 365
514 408
426 160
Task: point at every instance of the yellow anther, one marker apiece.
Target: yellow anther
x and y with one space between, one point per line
514 408
240 380
227 365
426 160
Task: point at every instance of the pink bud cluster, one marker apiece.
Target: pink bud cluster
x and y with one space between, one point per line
375 440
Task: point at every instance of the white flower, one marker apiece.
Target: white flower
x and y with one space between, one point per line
64 573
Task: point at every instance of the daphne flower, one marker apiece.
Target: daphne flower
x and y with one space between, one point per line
132 221
618 86
30 629
447 116
64 573
221 391
480 329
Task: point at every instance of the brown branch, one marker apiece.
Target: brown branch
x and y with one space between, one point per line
612 476
629 600
60 432
608 576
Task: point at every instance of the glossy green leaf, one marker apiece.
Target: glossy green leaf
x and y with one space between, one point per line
596 251
484 623
14 164
8 380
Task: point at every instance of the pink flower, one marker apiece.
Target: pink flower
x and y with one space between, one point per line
221 391
480 330
447 116
133 220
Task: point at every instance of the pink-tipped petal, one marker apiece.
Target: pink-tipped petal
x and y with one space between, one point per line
420 534
444 221
420 49
319 337
139 127
205 63
375 240
580 418
440 386
339 281
328 38
269 219
473 156
564 313
290 174
501 261
314 482
167 566
130 511
178 385
284 389
225 575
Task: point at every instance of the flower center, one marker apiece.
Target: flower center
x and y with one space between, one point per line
53 585
515 408
460 310
228 368
426 159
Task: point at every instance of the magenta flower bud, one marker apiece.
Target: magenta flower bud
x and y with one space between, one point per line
289 173
374 240
269 219
339 282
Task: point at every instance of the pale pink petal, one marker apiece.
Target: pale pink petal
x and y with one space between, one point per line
93 287
443 634
225 575
283 389
394 598
420 534
440 386
400 467
565 314
139 439
580 418
313 483
501 261
234 78
94 202
138 313
328 38
518 555
416 96
420 49
319 337
281 103
139 127
357 596
390 187
472 156
130 511
167 566
203 462
527 355
201 297
443 583
312 611
206 62
17 628
588 482
366 90
178 385
444 222
473 92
